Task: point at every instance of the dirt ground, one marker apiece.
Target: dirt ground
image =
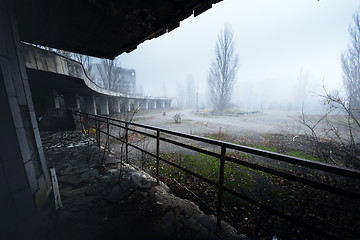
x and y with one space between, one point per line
252 125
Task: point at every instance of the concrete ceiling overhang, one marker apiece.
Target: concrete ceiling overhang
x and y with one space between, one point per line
101 28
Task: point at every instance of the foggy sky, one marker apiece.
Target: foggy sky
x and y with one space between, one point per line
277 41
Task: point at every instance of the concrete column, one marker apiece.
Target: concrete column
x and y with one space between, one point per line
116 106
155 105
70 100
104 106
146 104
163 104
56 99
24 178
120 105
78 106
136 104
128 106
90 104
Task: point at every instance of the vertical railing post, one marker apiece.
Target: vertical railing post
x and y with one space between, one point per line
221 184
126 143
157 155
95 127
98 132
107 134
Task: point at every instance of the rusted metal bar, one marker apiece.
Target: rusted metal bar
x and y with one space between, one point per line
223 158
221 184
142 150
190 172
298 222
107 134
157 155
259 152
213 154
294 178
302 162
126 143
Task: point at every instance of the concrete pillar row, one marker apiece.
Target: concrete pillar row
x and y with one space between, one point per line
163 104
104 106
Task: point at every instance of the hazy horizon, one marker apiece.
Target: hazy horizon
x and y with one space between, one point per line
278 42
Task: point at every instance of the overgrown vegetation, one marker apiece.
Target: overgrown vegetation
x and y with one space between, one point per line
335 138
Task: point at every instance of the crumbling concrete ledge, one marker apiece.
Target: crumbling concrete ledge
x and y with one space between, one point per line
112 202
176 218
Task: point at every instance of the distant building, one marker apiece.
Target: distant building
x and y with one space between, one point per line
128 80
125 81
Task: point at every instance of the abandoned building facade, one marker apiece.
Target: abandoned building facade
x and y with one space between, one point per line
125 82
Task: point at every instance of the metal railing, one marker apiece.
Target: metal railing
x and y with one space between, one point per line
95 121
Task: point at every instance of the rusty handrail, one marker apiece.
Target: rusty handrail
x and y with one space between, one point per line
223 158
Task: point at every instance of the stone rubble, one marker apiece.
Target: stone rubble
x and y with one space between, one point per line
100 203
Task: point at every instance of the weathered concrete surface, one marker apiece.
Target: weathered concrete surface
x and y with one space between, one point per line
43 60
101 204
24 180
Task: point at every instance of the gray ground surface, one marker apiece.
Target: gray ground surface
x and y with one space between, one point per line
238 126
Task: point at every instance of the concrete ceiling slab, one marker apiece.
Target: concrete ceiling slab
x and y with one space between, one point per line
101 28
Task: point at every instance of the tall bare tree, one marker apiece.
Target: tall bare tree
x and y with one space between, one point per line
223 70
350 60
86 61
110 74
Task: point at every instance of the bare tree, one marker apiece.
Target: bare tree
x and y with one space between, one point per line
223 70
350 60
336 134
86 61
110 74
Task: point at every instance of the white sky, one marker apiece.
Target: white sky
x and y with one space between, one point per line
276 40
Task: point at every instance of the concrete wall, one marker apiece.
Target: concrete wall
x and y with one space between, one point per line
24 178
